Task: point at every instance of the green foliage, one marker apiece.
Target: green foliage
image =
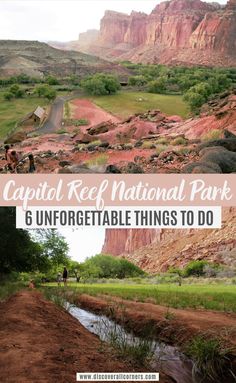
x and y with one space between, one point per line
107 266
178 141
161 148
101 84
158 86
54 247
8 96
194 293
51 80
14 89
197 84
14 92
194 100
211 359
195 268
45 91
18 251
137 80
23 252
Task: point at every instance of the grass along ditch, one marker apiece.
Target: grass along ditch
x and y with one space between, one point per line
208 297
184 355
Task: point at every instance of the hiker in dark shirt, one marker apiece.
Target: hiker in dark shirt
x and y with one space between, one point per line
32 168
65 276
14 157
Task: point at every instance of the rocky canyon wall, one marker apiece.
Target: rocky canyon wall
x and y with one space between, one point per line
177 31
157 250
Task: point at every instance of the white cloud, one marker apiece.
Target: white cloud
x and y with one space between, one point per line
60 20
84 242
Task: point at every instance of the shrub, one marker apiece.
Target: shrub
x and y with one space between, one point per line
8 96
161 141
195 268
94 143
214 134
147 144
178 141
161 148
98 161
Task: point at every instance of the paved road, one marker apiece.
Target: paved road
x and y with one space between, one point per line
55 117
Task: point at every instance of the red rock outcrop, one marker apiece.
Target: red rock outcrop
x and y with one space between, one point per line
157 250
177 31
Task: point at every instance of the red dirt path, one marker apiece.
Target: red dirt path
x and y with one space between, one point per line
85 109
44 344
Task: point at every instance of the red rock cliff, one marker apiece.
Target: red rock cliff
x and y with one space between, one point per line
156 250
177 31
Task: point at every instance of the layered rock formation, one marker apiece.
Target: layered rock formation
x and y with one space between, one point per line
157 250
176 32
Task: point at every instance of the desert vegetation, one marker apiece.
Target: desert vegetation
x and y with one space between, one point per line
196 84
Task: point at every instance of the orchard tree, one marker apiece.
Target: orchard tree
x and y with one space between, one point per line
101 84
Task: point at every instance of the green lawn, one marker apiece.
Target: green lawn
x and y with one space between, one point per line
123 104
12 111
209 297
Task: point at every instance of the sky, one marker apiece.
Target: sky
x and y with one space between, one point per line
84 242
60 20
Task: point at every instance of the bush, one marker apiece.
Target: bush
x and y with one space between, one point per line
98 161
162 141
147 145
8 96
214 134
178 141
195 268
161 148
101 84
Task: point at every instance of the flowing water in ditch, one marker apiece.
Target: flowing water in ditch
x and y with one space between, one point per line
165 358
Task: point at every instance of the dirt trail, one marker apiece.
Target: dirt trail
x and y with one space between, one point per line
176 325
86 109
42 343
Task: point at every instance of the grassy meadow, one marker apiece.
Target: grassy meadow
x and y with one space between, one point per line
208 297
124 104
12 111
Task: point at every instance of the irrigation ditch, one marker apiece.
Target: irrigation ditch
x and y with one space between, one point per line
203 361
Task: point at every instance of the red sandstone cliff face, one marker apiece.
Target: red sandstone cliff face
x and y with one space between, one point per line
157 250
177 31
128 240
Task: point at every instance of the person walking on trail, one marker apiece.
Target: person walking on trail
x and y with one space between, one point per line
32 168
65 276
